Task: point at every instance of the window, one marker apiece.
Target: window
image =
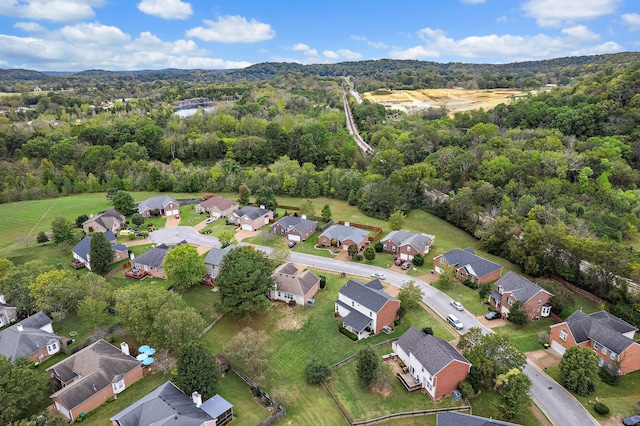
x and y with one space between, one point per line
370 314
597 346
539 301
500 289
52 348
384 246
442 260
563 335
408 249
352 303
510 301
118 386
613 356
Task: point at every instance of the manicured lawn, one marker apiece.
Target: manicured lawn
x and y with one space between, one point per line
246 410
203 300
620 399
525 338
485 405
468 297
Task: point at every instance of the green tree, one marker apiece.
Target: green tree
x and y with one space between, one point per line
184 267
42 238
15 282
244 280
137 219
316 371
492 353
513 387
516 315
385 377
81 219
177 326
367 363
92 312
57 292
243 194
198 370
447 278
265 197
578 370
410 295
369 253
352 250
308 209
100 253
418 259
227 238
326 213
20 385
397 220
123 202
62 230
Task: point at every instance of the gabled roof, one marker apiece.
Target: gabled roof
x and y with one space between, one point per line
403 237
106 219
154 203
94 368
216 405
468 260
602 327
432 352
291 223
215 255
453 418
289 280
220 203
83 248
251 212
15 343
354 319
371 298
154 257
343 232
164 406
521 288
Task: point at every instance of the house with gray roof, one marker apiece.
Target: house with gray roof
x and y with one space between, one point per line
91 376
32 338
167 405
250 218
468 266
365 308
8 313
161 205
512 288
454 418
151 262
110 220
433 364
81 250
293 284
406 244
294 228
217 207
607 335
213 259
342 236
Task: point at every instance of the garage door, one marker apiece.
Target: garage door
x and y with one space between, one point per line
62 409
216 214
345 247
404 256
558 347
438 270
247 227
294 238
171 212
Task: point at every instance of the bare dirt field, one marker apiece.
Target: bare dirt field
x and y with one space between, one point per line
454 100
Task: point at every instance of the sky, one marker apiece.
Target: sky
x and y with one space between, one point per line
75 35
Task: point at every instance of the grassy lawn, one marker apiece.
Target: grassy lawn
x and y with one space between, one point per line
620 399
525 338
246 410
485 405
468 297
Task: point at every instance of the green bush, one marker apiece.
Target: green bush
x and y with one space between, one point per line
601 408
609 376
349 334
418 260
323 281
378 247
292 303
470 284
485 289
465 389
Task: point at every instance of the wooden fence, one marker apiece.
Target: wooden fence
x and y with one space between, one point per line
580 291
346 360
280 413
366 228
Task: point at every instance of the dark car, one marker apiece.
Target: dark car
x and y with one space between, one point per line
631 421
292 244
492 315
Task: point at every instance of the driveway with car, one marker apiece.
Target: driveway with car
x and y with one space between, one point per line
183 233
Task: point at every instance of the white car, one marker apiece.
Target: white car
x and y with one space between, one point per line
457 305
210 220
378 275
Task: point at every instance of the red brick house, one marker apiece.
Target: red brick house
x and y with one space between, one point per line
111 220
91 376
365 308
293 284
217 207
342 236
151 262
162 204
468 266
250 218
406 244
32 338
607 335
512 288
433 364
294 228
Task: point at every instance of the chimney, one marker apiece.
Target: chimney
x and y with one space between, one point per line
19 327
132 256
124 348
304 216
262 206
197 399
2 300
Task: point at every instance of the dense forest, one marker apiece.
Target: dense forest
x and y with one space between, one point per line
549 182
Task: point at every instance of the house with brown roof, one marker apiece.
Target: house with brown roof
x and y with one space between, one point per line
607 335
32 338
161 205
342 236
433 364
293 284
468 266
250 218
91 376
294 228
111 220
217 207
365 308
406 244
512 288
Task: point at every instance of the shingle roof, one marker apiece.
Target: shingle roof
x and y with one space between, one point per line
215 255
368 297
355 319
216 405
83 248
452 418
291 223
602 327
164 406
474 264
220 203
154 257
106 219
251 212
432 352
15 344
403 237
96 366
521 288
343 232
289 280
154 203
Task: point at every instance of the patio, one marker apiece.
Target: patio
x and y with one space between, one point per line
402 373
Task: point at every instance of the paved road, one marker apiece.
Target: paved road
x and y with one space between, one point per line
558 404
351 126
181 233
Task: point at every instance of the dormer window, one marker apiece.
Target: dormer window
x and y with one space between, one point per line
500 289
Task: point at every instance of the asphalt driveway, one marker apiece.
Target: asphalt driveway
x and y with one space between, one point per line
182 233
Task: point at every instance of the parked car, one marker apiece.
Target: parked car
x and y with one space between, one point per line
292 244
177 216
137 233
457 305
492 315
631 421
126 232
406 265
378 275
454 321
210 220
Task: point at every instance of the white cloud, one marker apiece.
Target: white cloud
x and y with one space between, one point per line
348 54
50 10
376 45
94 34
300 47
555 13
233 29
166 9
632 20
331 54
30 27
501 19
581 32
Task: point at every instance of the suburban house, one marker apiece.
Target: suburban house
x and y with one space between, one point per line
91 376
162 205
609 336
365 308
217 207
213 260
468 266
454 418
406 244
293 284
81 250
294 228
512 288
251 218
168 405
111 220
433 365
8 313
343 236
150 263
32 338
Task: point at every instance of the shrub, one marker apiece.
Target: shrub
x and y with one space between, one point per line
378 247
543 337
465 389
484 290
323 282
427 330
418 260
470 284
349 334
601 408
316 371
292 303
609 375
358 257
42 237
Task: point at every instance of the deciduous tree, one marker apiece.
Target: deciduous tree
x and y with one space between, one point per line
184 266
326 213
62 230
123 202
397 220
227 238
316 371
20 385
57 292
410 295
249 351
578 370
15 282
198 370
513 387
265 197
308 209
352 250
516 315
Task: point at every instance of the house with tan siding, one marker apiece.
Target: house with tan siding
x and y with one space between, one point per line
217 207
111 220
468 266
293 284
512 288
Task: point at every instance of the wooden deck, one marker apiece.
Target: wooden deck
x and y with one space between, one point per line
137 274
409 383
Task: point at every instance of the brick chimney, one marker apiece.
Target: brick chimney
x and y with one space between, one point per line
124 348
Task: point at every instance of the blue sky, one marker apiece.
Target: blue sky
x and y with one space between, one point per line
73 35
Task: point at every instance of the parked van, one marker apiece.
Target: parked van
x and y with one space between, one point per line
126 232
454 321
